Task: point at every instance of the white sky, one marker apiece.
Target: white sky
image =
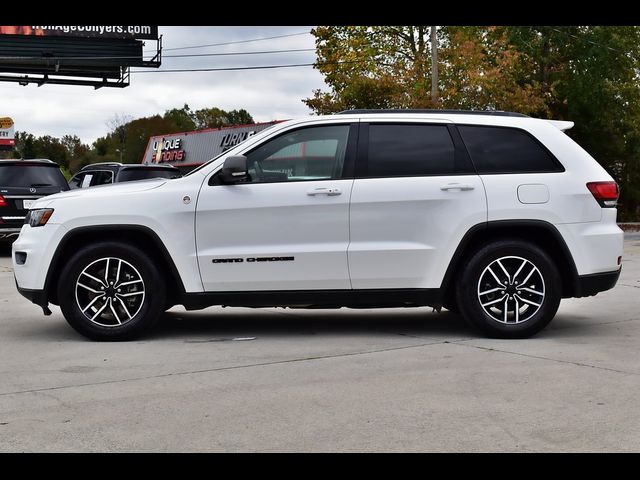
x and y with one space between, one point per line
58 110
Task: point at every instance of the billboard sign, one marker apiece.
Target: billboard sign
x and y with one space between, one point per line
7 141
96 56
101 31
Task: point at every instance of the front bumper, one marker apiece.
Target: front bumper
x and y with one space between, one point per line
589 285
39 297
38 245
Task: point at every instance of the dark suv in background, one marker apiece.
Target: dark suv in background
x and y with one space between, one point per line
107 173
22 182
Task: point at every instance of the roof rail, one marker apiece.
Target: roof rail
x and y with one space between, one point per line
40 160
147 165
496 113
103 164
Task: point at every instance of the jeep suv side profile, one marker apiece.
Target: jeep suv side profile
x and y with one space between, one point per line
494 214
22 182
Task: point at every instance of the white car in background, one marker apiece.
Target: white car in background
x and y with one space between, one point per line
494 214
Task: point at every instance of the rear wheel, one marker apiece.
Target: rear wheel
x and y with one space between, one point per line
111 291
509 289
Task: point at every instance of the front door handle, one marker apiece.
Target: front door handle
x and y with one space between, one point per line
457 186
330 192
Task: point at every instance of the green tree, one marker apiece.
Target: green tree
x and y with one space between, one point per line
182 118
239 117
126 140
78 153
25 145
139 132
210 118
130 139
52 148
372 67
589 74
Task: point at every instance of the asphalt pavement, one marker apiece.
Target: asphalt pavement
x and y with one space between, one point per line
236 379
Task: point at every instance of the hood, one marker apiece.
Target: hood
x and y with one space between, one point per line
106 190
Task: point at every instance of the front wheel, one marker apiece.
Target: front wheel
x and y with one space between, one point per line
509 289
111 291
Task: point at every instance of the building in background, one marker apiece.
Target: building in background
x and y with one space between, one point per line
7 134
188 150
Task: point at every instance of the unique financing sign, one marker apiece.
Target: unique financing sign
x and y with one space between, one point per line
7 141
169 150
101 31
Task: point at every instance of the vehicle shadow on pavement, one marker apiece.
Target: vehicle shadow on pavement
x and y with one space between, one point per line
244 324
273 323
5 250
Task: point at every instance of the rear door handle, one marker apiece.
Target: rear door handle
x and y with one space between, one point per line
330 192
457 186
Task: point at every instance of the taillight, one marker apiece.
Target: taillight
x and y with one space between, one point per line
606 193
3 202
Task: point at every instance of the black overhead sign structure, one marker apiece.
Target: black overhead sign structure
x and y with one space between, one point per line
97 56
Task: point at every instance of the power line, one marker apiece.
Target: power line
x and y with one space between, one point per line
240 53
226 69
238 41
189 55
257 67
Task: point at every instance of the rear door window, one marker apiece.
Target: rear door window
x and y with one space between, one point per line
402 150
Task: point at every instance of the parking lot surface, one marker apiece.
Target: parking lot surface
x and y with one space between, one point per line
240 379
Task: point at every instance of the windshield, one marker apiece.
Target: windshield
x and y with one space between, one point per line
133 174
31 176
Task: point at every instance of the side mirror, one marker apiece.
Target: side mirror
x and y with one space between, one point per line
234 170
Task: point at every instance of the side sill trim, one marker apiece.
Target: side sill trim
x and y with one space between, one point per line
373 298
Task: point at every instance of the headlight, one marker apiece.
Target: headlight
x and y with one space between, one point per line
39 217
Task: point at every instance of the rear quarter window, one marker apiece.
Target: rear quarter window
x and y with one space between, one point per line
507 150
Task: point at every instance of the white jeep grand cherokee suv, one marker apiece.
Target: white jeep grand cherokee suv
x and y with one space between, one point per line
494 214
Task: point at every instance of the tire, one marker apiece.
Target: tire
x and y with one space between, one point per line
133 304
482 294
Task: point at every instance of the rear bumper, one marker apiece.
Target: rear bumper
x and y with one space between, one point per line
9 233
589 285
594 246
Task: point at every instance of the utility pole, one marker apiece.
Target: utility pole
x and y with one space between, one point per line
434 67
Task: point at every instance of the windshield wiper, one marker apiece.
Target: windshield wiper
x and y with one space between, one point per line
41 185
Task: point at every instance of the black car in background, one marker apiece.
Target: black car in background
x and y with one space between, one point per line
22 182
106 173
